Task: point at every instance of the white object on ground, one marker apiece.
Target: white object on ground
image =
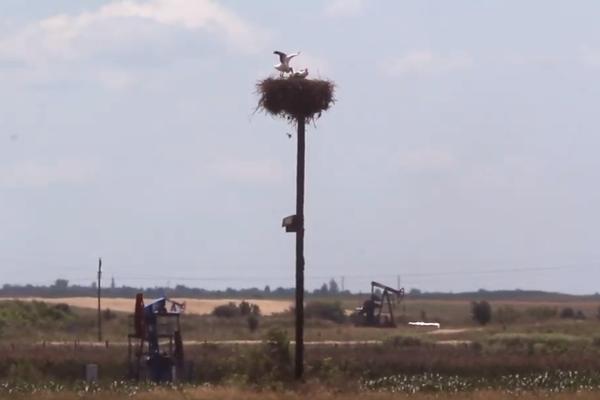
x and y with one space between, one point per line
421 323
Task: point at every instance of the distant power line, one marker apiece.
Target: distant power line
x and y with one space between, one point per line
375 275
82 276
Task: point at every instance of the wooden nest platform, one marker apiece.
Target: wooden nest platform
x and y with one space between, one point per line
295 98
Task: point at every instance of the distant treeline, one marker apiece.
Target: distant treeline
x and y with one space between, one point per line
62 288
503 295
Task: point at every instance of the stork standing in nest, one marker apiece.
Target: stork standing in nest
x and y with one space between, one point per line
284 62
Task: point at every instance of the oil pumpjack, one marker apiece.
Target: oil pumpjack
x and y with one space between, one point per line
155 347
378 309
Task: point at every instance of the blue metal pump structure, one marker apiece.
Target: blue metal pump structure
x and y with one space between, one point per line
150 312
153 322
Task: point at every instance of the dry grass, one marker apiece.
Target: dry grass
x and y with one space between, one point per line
454 316
193 306
295 98
219 363
315 393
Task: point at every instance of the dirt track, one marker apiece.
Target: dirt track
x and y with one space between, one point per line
450 331
213 342
352 343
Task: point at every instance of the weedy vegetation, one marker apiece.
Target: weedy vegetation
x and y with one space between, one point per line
518 352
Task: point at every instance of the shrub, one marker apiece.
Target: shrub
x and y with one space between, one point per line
34 312
580 315
331 311
108 315
278 345
481 312
232 310
252 322
506 315
63 307
229 310
541 313
245 308
567 313
272 360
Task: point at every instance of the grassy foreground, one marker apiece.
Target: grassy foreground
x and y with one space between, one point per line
314 393
529 352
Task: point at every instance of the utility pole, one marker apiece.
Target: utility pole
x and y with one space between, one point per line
397 287
298 100
342 280
99 294
299 370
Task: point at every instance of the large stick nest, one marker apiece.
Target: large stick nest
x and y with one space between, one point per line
295 98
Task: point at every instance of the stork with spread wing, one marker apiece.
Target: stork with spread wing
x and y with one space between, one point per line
284 62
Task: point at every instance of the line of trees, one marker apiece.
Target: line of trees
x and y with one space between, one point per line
62 288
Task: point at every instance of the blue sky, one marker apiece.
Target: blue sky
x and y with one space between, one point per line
461 153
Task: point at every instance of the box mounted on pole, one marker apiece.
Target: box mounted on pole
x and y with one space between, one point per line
290 223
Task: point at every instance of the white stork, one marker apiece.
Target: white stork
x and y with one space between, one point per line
303 73
284 62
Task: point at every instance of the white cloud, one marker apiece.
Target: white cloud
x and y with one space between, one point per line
58 36
344 8
36 175
426 62
250 171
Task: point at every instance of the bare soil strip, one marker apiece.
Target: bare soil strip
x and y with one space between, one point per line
193 306
450 331
80 344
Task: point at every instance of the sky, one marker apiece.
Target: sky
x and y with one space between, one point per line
461 152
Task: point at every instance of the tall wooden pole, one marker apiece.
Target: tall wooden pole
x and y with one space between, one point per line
300 251
99 294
